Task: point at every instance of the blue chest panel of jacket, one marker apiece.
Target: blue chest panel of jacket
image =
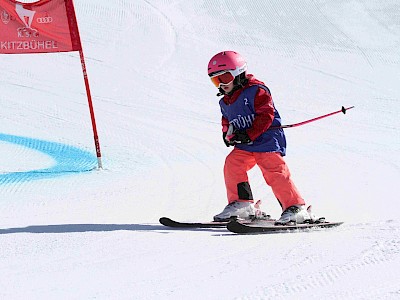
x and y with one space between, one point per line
241 115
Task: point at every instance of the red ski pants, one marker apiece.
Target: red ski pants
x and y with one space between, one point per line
274 169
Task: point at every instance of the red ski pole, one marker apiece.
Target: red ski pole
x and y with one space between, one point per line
343 110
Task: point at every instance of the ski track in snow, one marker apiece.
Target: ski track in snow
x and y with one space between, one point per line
70 233
303 279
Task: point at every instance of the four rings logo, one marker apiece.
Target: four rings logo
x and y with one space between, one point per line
44 20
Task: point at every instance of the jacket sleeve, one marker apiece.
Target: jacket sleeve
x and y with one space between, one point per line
264 109
225 124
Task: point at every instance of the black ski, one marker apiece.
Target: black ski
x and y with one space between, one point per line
212 224
172 223
260 226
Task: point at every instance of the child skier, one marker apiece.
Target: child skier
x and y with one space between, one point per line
249 118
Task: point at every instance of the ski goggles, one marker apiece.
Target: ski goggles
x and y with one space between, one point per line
226 77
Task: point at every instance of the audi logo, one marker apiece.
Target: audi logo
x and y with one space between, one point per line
44 20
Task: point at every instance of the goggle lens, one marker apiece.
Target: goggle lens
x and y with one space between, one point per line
224 78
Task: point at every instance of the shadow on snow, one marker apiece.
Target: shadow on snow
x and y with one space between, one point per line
71 228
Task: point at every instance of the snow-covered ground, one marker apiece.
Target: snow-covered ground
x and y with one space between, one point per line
70 233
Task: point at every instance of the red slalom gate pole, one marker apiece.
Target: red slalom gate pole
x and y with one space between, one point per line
343 110
89 97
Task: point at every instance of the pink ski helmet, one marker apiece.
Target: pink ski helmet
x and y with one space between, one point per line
227 60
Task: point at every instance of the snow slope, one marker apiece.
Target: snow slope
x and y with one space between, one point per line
70 232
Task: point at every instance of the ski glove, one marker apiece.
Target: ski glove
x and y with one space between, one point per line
240 138
232 137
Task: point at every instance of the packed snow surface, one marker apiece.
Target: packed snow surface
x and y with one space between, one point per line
71 231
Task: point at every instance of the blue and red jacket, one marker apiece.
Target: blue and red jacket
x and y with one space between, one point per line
251 109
